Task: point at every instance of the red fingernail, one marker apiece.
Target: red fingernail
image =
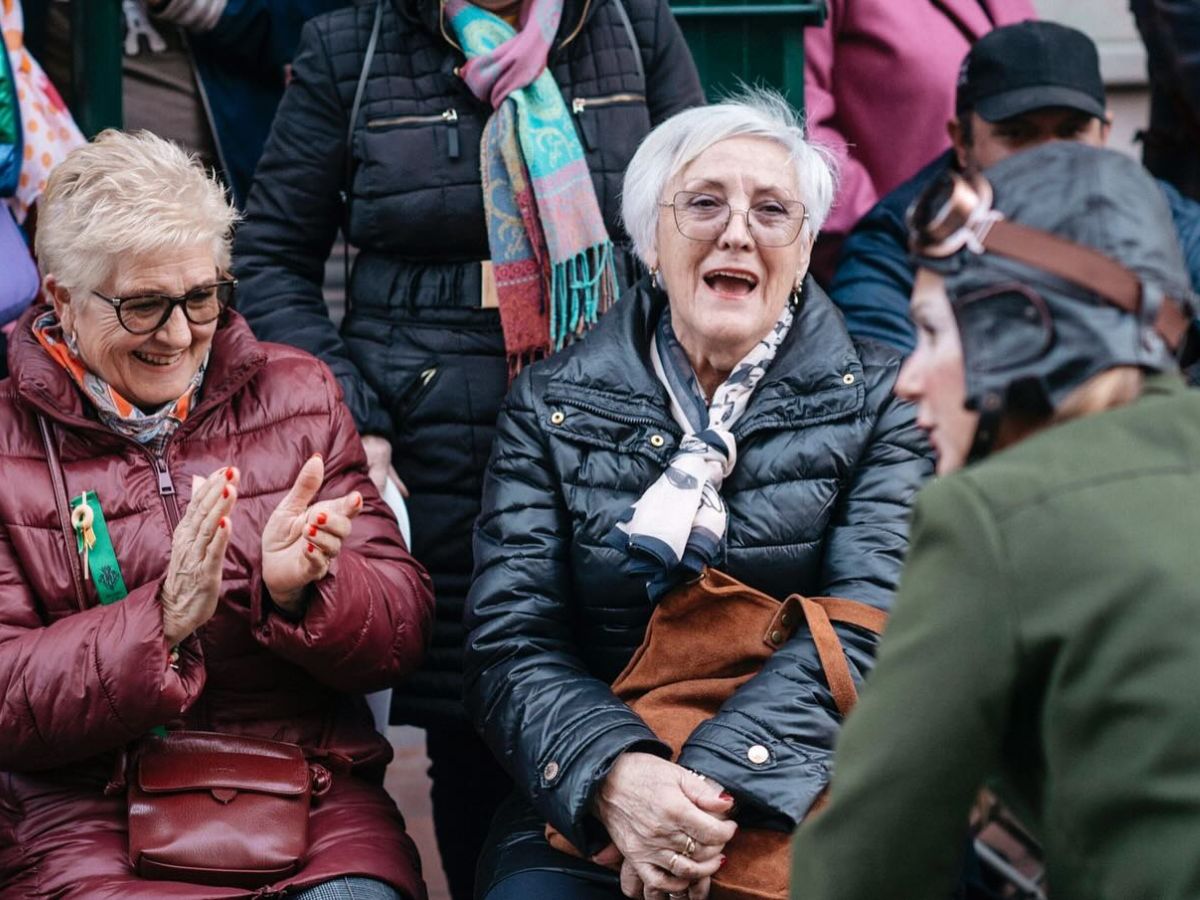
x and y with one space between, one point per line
311 548
726 796
222 523
321 518
312 530
229 474
225 492
721 863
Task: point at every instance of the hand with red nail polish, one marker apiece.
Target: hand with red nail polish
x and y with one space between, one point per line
192 585
302 538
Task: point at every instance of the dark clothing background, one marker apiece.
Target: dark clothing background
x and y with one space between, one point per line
1170 30
874 278
420 361
827 463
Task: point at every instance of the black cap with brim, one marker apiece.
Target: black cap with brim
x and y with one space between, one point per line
1002 106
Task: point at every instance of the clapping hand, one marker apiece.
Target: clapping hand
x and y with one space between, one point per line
301 540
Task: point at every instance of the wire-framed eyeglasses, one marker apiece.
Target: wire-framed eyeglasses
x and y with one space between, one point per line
146 313
704 217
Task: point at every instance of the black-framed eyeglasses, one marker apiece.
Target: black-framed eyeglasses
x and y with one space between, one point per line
704 217
146 313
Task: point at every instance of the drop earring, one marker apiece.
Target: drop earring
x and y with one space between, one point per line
654 278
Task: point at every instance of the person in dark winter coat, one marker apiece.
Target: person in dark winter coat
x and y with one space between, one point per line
424 353
243 575
719 415
874 277
1043 640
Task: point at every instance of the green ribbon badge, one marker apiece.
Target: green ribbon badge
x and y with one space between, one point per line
95 546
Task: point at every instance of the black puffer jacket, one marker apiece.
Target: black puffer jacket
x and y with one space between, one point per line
827 464
418 359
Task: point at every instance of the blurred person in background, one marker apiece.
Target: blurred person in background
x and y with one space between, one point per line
878 88
1020 87
236 572
207 74
454 288
1046 636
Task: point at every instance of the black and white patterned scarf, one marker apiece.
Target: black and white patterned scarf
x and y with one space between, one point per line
678 525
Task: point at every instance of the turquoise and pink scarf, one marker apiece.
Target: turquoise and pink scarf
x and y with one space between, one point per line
551 254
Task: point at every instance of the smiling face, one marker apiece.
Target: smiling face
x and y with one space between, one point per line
146 369
727 293
933 376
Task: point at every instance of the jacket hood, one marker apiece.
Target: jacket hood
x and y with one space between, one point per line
236 356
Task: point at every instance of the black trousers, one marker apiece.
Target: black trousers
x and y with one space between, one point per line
468 785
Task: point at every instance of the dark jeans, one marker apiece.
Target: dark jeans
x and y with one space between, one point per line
468 785
541 884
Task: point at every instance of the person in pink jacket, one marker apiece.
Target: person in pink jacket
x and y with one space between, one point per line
879 81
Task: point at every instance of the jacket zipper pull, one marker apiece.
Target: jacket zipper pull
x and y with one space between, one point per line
450 117
586 125
166 487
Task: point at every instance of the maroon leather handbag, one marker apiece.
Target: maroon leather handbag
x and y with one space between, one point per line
220 809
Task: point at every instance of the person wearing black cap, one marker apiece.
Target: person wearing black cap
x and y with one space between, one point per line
1046 637
1019 86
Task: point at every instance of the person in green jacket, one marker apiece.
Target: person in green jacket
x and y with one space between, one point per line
1046 635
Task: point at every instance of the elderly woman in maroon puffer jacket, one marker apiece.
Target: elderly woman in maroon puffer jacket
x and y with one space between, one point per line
242 575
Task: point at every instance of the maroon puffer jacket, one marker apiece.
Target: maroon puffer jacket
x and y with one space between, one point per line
78 680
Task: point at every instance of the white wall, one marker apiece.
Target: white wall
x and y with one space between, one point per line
1122 59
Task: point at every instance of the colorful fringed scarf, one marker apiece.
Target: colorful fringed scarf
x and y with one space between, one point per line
551 254
150 428
678 525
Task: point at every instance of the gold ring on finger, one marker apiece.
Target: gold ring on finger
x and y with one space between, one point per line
690 846
671 864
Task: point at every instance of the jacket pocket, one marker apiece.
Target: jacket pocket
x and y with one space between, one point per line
447 118
415 391
594 116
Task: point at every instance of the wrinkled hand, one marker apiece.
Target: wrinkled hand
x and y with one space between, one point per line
192 585
379 463
300 541
650 808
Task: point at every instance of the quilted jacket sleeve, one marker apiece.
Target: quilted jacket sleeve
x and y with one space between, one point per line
370 618
672 82
554 727
292 217
787 707
86 683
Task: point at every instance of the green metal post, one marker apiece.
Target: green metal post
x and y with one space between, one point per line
96 44
751 41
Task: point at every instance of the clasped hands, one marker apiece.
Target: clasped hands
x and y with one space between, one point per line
299 542
656 812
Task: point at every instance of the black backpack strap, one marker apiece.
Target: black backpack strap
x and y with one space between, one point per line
637 51
349 167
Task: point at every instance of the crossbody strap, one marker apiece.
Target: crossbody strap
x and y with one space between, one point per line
64 514
349 151
632 35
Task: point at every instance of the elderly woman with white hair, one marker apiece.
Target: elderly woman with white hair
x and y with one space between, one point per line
719 416
198 579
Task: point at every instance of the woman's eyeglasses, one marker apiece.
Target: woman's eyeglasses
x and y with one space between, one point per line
147 313
703 217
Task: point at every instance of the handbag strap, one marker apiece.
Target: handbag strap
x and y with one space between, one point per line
820 613
61 501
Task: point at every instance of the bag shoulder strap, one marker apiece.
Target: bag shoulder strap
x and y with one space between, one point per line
60 501
348 168
623 14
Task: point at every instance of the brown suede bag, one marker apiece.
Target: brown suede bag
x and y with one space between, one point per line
705 640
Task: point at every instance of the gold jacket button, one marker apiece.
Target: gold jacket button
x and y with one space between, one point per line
551 771
776 636
758 754
557 417
657 440
786 619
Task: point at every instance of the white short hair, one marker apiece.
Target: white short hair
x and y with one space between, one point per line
127 193
754 112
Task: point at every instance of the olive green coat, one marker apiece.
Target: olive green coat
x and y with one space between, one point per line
1047 633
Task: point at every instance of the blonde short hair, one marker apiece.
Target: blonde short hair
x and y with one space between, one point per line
127 193
753 112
